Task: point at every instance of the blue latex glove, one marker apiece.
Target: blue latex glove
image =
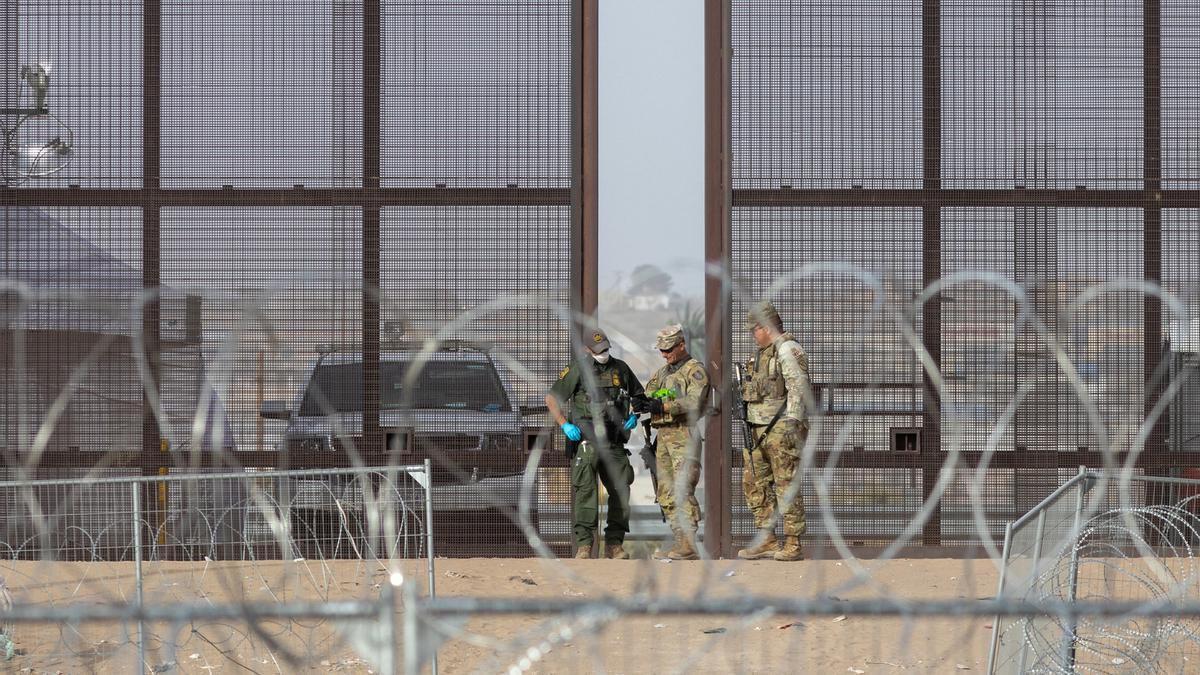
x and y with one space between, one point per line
631 422
572 431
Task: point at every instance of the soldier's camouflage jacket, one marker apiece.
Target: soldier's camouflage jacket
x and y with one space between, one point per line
689 381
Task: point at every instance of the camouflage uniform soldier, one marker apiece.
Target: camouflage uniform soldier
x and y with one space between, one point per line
597 446
678 393
776 388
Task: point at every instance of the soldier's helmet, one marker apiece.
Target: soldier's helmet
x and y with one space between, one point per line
596 340
669 337
765 314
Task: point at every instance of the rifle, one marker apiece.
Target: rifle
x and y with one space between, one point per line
743 408
741 411
649 455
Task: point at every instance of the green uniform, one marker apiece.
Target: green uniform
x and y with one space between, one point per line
777 378
602 452
678 456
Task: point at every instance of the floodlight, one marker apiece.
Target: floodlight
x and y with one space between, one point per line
39 159
38 143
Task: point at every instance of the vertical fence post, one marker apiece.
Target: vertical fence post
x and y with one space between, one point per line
387 619
1039 533
429 542
412 647
1073 571
931 260
991 664
718 293
137 571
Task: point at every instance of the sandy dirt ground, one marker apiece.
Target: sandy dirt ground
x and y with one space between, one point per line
769 643
766 643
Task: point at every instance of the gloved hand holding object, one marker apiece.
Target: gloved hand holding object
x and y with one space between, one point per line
652 402
663 394
573 433
631 422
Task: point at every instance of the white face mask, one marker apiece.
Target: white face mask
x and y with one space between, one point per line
601 357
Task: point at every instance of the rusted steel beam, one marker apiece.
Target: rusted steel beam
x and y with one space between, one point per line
297 196
718 213
937 197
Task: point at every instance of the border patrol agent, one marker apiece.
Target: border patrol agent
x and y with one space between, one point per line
777 391
596 445
678 394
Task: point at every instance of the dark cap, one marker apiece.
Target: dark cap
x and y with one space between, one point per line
596 341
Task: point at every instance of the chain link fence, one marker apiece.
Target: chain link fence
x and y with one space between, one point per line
183 571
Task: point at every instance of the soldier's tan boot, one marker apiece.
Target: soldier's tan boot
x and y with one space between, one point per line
790 551
583 552
764 550
617 552
683 549
663 551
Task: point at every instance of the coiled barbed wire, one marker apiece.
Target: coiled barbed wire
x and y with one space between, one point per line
1140 642
1109 566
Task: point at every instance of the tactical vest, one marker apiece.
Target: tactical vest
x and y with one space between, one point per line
614 399
764 389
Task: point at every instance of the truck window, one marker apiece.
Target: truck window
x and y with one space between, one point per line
455 385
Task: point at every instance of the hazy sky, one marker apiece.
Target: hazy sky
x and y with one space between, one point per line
652 139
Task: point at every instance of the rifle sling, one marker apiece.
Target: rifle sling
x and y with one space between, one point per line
770 426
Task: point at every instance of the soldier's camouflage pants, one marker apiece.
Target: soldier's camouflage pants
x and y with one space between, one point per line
767 476
611 466
678 469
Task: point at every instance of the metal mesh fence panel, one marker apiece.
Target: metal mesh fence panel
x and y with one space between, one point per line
864 373
990 350
1020 109
1033 550
1181 278
230 229
993 176
458 274
267 94
825 94
72 340
477 94
276 288
1180 99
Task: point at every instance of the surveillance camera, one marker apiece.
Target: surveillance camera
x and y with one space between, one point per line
38 78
